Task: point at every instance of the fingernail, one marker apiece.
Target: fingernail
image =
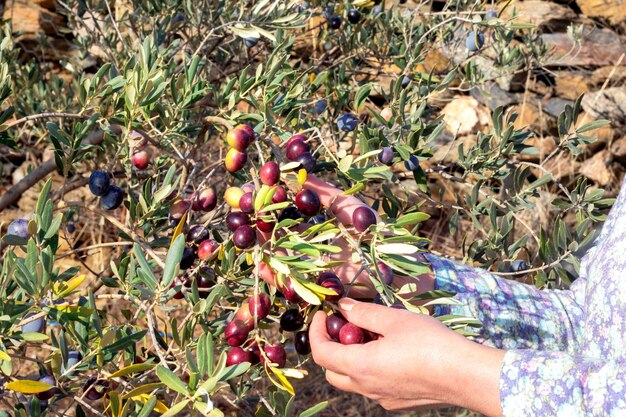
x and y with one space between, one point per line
346 304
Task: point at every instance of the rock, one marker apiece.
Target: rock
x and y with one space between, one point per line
618 149
31 17
613 10
529 116
544 145
556 105
463 115
607 104
434 61
563 167
492 96
597 168
508 79
571 84
617 74
604 134
546 15
601 47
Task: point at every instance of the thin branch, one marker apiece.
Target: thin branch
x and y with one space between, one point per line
46 115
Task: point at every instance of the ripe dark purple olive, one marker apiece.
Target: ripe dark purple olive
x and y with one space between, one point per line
188 258
113 198
236 333
334 22
307 161
179 295
308 202
354 16
244 237
197 234
518 265
301 343
46 395
207 249
38 325
289 213
255 352
280 195
179 208
236 219
99 182
246 203
260 305
331 281
297 136
351 334
412 163
289 292
386 273
205 279
237 355
269 173
334 323
204 200
386 156
95 388
295 148
73 357
362 218
291 320
264 226
276 354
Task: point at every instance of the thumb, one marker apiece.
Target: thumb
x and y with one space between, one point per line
369 316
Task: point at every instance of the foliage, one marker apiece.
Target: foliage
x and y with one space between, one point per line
179 72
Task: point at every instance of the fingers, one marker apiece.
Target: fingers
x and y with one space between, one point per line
340 381
369 316
327 353
342 205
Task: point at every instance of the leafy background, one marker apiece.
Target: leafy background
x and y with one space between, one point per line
516 163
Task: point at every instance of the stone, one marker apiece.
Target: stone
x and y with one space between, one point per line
609 104
492 96
571 84
529 116
600 47
618 149
613 10
464 115
546 15
604 134
598 169
556 105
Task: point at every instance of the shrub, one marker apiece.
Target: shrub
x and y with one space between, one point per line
152 97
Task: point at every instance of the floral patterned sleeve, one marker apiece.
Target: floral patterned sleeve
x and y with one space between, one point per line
514 315
536 383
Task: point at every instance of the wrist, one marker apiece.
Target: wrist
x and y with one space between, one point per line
476 382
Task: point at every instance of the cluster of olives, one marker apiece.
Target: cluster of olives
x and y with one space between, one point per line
111 196
247 217
238 139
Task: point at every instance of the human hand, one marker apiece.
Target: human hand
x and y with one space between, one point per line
416 363
343 206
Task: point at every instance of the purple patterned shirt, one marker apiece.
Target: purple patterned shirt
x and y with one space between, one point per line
566 349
